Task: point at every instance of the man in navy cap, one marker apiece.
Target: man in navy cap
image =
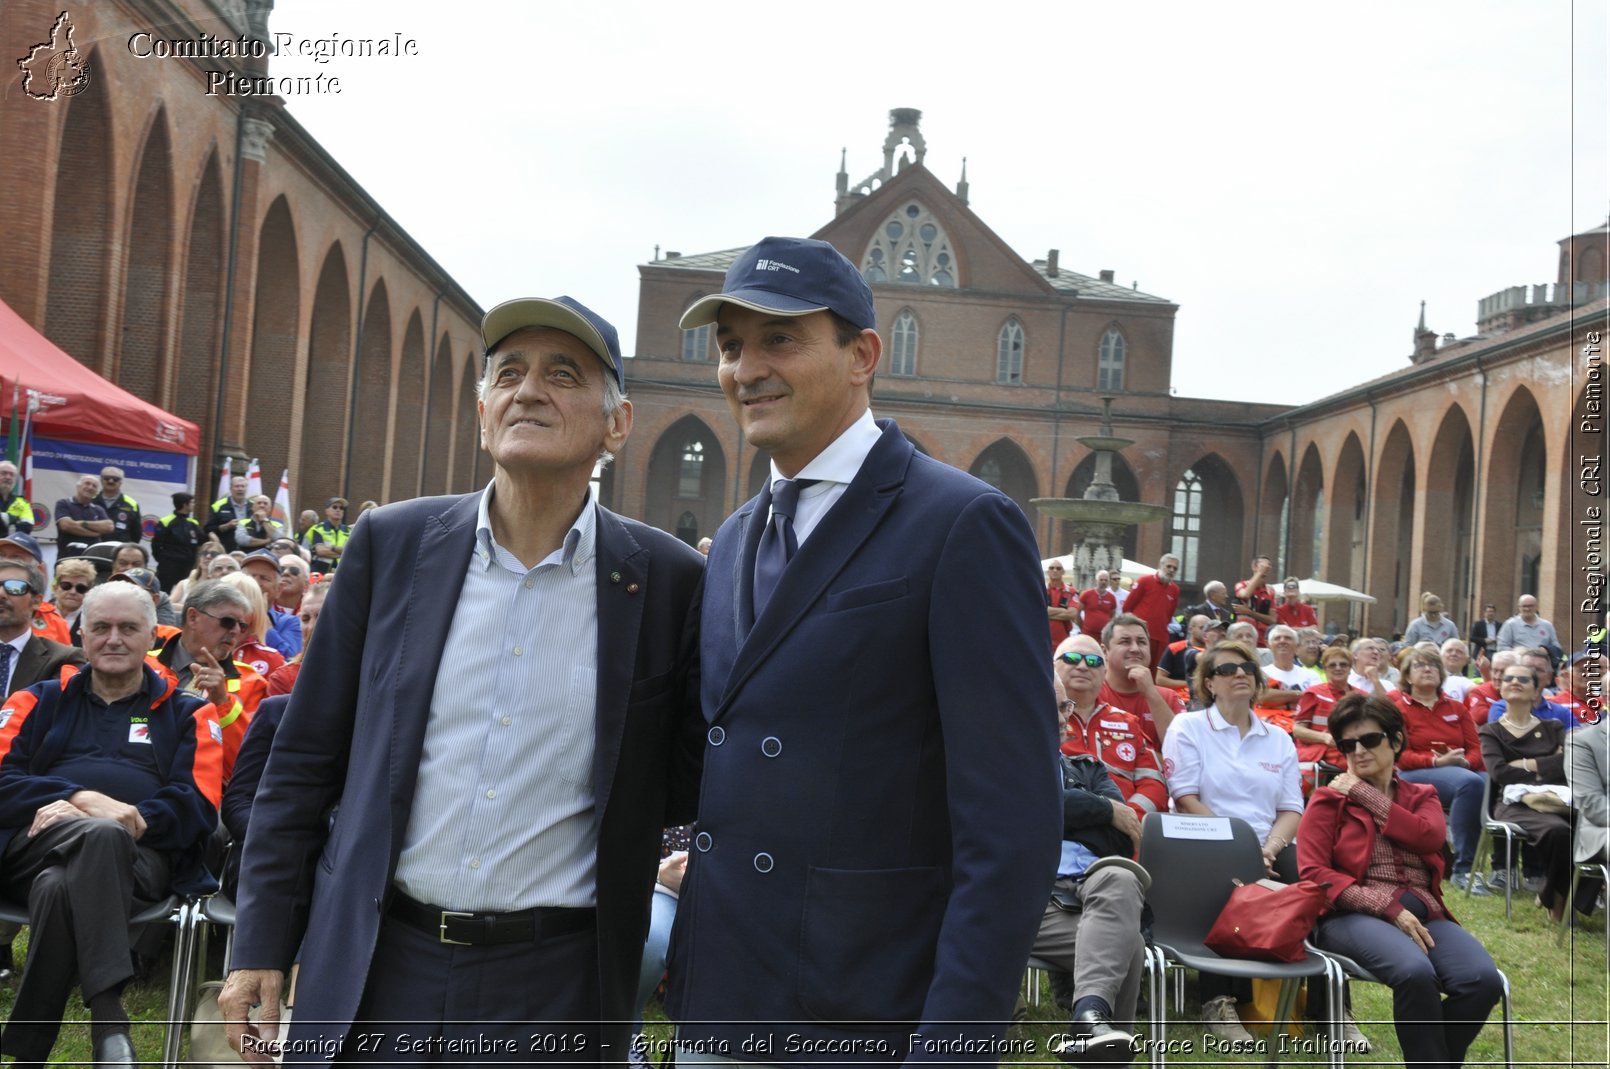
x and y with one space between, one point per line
879 820
498 697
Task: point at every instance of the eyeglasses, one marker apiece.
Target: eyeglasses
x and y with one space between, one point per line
228 623
1230 668
111 478
17 587
1369 740
1504 679
78 588
1089 660
1338 664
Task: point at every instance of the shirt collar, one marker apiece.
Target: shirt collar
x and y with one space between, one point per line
842 458
574 553
1217 722
21 640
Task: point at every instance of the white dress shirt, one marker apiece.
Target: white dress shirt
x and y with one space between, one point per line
835 467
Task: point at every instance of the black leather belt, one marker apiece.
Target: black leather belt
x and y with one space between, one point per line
483 929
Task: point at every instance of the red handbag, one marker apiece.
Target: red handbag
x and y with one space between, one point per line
1267 920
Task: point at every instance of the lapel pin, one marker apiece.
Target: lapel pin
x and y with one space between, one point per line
614 577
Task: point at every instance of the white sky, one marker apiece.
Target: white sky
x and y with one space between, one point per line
1297 177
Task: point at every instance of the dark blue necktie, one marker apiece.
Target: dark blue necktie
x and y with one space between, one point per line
778 544
7 651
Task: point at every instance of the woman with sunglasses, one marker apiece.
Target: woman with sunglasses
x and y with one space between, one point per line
1227 761
205 555
1521 749
75 577
1441 749
1310 724
1375 839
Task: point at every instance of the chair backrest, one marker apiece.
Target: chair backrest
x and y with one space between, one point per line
1191 873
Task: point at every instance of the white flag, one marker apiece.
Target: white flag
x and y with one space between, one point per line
282 500
224 475
254 479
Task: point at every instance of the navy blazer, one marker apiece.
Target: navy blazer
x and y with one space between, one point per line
355 727
880 817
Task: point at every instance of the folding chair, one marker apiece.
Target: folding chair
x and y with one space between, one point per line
1490 829
1353 970
1592 868
172 910
1193 861
188 970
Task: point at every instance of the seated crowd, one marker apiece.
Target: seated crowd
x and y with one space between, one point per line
1354 762
1359 764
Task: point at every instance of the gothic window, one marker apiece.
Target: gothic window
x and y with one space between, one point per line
690 482
903 345
1187 523
910 248
687 528
696 343
1009 353
1110 367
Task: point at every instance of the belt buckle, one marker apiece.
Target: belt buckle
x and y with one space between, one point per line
442 928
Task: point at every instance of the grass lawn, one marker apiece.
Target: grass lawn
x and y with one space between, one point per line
1558 996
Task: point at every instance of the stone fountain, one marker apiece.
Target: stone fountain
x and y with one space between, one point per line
1099 519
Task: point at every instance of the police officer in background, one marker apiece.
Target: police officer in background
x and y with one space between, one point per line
123 510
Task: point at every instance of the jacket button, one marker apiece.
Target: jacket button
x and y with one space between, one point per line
771 746
702 842
717 735
763 862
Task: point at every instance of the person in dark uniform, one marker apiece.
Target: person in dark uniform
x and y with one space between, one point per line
122 509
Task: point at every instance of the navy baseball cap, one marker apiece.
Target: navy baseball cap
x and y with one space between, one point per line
791 277
140 577
24 540
560 313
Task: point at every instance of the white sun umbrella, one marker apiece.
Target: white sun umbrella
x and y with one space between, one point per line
1319 590
1131 569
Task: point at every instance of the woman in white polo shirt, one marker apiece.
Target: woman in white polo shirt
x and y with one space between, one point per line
1226 761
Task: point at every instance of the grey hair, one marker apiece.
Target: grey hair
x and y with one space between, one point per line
208 593
614 398
1281 629
133 594
1214 587
1240 628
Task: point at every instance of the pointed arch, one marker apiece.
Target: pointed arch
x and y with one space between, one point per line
1349 496
276 311
1206 527
903 344
1005 466
467 447
911 248
373 385
195 385
142 348
1392 555
1517 498
1010 342
1448 557
439 421
1308 515
1128 487
79 299
687 480
1273 514
324 397
406 425
1111 357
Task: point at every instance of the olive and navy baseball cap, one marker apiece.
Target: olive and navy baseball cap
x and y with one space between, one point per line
560 313
791 277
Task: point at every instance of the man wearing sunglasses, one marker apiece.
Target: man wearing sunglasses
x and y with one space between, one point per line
500 695
1115 738
122 509
26 658
199 659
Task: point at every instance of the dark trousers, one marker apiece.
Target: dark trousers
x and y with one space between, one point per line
429 1002
82 879
1440 998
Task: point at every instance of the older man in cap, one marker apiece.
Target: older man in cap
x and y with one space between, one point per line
879 819
499 697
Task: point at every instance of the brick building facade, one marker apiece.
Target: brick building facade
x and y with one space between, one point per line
207 254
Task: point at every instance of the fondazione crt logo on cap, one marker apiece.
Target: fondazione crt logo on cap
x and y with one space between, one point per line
55 68
764 264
